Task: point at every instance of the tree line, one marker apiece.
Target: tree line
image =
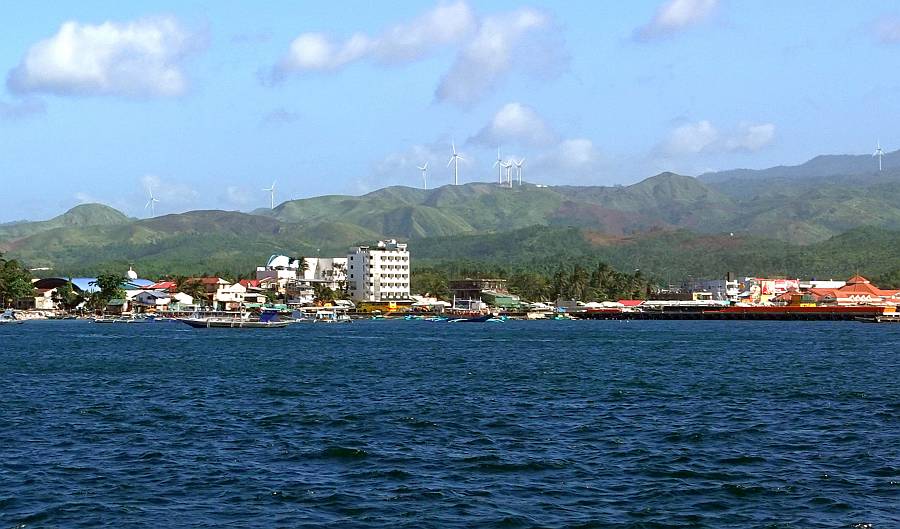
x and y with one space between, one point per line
598 282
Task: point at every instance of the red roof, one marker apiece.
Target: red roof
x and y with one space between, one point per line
247 283
163 285
631 302
858 279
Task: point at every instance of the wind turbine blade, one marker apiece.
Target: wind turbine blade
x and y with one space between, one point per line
149 203
450 160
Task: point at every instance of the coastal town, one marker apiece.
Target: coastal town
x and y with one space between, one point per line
374 281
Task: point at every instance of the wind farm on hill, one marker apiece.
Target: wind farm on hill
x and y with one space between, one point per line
777 219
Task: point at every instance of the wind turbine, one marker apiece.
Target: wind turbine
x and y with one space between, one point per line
455 157
508 166
879 153
151 203
499 165
424 170
271 191
519 165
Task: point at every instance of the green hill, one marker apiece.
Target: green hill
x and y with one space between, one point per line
669 223
82 215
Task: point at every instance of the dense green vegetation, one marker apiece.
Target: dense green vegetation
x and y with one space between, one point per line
15 281
665 256
782 221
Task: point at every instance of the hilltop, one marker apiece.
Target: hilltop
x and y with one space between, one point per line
668 224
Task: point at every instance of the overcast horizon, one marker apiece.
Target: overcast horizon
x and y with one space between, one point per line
208 104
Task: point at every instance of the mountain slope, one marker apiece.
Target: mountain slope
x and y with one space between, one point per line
818 167
82 215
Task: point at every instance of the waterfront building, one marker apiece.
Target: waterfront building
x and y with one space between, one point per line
379 273
857 291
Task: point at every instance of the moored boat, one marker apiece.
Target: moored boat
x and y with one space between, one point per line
8 317
266 320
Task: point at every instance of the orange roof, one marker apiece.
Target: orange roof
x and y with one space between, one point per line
858 279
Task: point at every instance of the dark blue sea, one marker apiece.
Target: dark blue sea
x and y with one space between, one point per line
637 424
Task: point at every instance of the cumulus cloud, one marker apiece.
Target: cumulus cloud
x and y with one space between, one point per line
445 24
704 137
21 109
571 161
488 57
691 138
488 49
887 29
750 137
516 124
141 58
674 16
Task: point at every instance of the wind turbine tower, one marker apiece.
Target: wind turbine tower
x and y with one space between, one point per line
499 165
519 166
424 169
455 157
879 153
508 166
151 203
271 191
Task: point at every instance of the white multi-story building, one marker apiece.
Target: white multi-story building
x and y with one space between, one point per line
379 273
282 271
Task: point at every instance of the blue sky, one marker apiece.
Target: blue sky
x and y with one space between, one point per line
207 102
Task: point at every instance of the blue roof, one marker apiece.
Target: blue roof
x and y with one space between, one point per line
138 284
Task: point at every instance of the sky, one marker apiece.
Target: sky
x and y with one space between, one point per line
207 102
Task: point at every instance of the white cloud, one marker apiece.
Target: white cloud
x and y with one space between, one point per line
488 48
750 137
691 138
446 23
488 57
704 137
515 123
887 29
21 109
674 16
571 161
139 58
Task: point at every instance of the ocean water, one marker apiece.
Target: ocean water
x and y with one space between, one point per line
416 424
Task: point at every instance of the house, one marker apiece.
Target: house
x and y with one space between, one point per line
469 288
857 291
154 299
117 306
228 296
379 273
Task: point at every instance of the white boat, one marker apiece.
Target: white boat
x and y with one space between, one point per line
266 320
8 317
331 316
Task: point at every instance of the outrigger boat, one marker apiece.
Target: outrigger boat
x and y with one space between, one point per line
268 319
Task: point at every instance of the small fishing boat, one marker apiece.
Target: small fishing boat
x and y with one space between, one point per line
8 317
